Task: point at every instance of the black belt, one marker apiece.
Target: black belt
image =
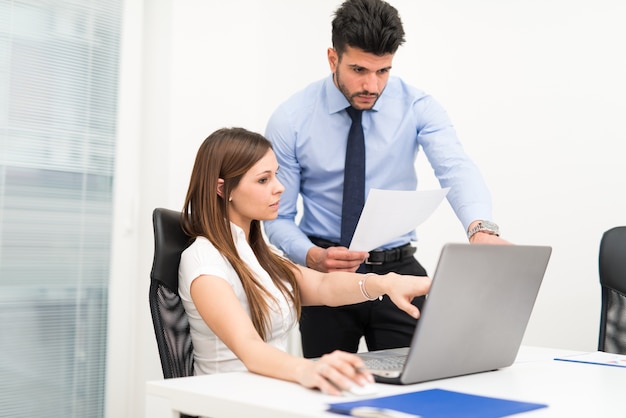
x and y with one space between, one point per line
379 257
376 257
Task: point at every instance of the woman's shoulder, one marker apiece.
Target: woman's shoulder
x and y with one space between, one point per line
200 242
201 257
200 246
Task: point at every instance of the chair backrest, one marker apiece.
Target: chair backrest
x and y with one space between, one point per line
612 270
171 325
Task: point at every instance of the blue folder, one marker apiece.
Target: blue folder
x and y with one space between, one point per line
439 403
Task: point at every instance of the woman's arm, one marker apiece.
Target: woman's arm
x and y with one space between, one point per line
223 313
342 288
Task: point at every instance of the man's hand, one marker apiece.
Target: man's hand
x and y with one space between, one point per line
334 259
485 238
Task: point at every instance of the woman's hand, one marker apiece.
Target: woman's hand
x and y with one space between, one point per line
335 372
402 289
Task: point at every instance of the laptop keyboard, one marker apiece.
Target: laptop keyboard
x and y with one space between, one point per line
387 363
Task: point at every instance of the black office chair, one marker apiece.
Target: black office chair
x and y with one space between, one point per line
612 270
171 325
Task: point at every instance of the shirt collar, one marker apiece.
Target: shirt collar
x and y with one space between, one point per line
238 234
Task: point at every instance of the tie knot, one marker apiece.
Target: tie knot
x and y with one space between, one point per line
355 114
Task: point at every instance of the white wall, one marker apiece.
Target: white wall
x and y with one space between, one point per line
535 89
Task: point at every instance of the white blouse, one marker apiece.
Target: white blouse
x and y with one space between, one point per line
211 355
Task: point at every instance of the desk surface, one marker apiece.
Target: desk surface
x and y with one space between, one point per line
569 389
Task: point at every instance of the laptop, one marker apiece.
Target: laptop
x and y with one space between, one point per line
474 317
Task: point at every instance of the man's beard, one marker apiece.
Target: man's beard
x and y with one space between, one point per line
350 96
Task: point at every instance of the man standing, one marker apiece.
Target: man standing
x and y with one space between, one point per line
357 129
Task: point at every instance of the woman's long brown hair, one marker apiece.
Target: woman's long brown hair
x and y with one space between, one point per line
228 154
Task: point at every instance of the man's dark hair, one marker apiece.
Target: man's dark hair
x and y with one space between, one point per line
371 25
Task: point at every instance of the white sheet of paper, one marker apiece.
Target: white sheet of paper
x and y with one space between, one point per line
597 357
387 214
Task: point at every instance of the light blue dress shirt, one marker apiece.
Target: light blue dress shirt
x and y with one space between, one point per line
309 133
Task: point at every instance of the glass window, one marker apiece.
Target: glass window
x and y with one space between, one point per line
58 95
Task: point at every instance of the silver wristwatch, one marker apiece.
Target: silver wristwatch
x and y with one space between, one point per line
484 226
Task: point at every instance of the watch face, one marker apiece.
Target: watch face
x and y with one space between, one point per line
490 226
484 226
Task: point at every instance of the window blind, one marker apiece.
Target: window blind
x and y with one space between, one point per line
58 94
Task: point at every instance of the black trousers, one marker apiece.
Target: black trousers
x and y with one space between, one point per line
324 329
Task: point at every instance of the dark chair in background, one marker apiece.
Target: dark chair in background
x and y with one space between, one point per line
612 270
171 325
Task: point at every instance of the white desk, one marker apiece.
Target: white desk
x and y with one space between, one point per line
569 389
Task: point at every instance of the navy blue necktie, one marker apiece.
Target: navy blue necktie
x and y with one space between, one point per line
354 178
